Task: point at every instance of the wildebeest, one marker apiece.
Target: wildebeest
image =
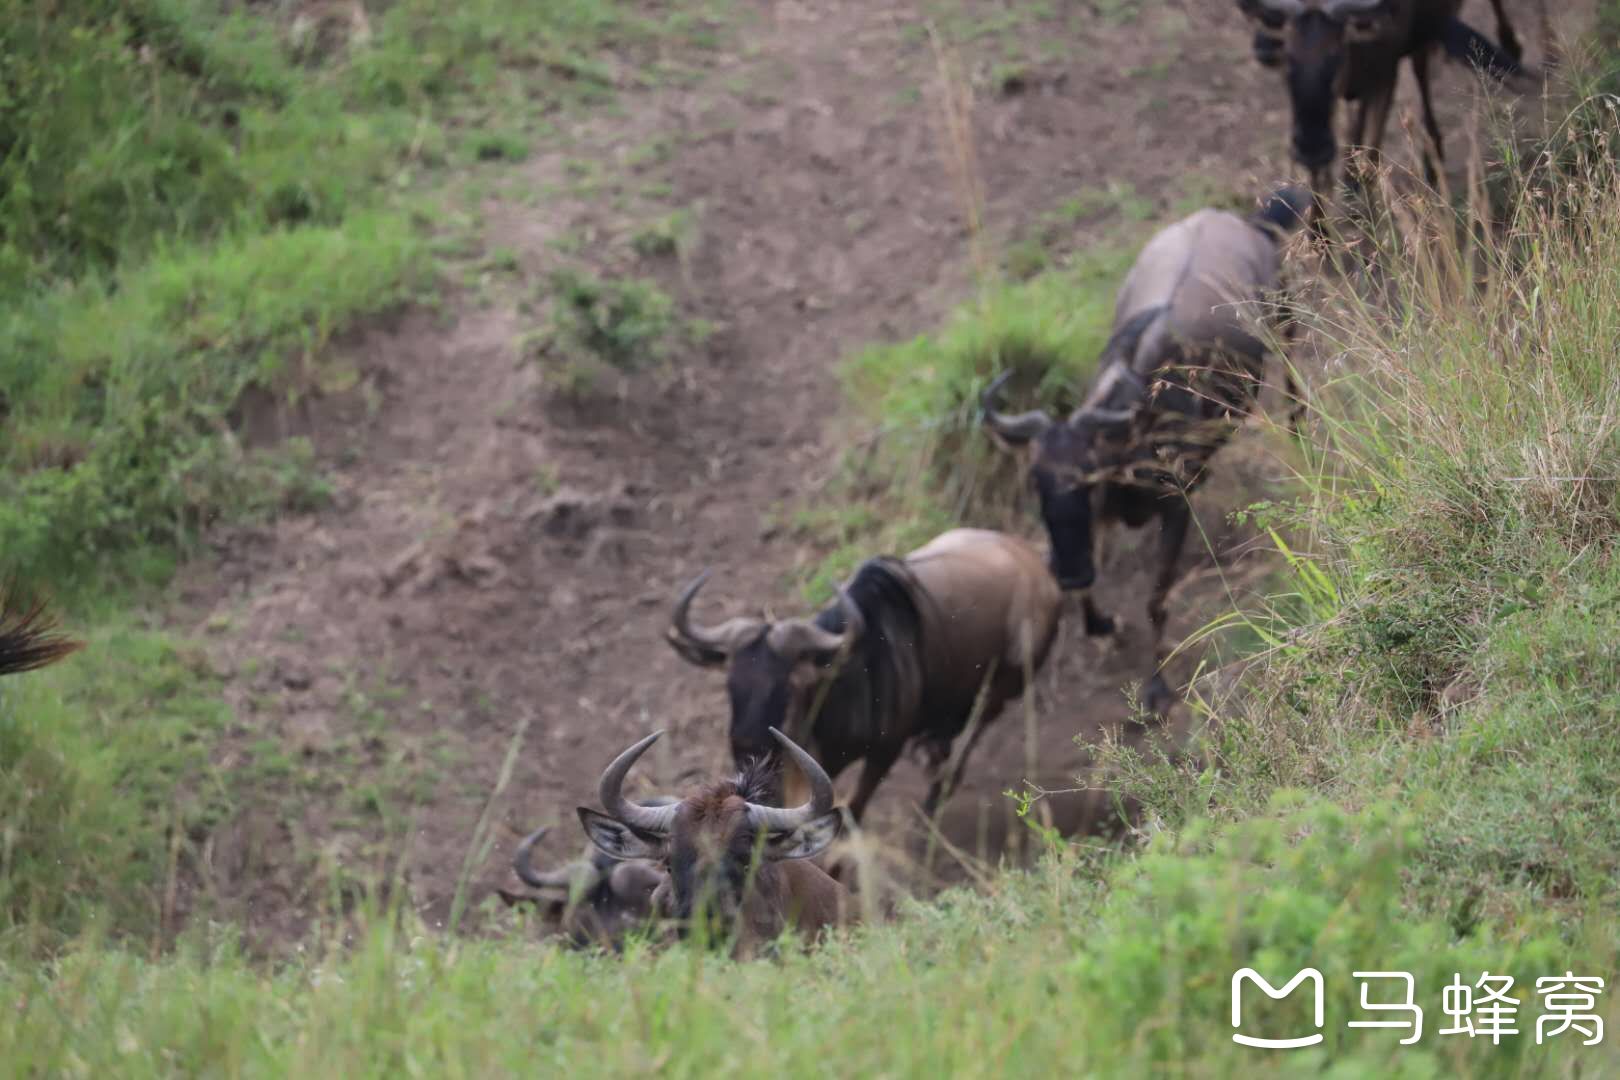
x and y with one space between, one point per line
729 863
593 900
903 657
1353 49
1182 367
28 636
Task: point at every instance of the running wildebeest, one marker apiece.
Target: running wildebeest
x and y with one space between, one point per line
729 862
1182 368
28 636
1353 49
594 900
905 656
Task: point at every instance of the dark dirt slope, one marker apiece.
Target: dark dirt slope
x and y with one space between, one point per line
497 556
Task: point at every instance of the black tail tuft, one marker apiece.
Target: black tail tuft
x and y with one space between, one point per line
28 637
1463 42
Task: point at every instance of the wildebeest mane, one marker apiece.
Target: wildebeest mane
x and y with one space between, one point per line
756 780
884 670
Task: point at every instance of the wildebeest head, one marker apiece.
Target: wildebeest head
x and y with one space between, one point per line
1310 40
593 900
774 668
1068 459
718 849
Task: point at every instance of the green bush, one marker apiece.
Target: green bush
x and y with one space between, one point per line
119 393
102 757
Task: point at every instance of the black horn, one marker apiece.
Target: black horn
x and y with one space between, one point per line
704 644
778 819
652 819
550 879
1018 428
795 637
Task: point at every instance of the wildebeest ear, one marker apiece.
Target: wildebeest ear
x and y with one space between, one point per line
617 840
807 840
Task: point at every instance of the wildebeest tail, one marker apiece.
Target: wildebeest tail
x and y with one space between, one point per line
1463 42
28 635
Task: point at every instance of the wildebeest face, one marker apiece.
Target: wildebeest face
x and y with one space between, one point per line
775 669
1062 464
714 849
1315 58
767 690
1311 41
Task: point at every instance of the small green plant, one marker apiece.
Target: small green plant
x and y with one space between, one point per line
627 325
497 146
667 236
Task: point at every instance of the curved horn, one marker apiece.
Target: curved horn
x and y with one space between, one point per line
791 638
1284 7
778 819
1018 428
652 819
1104 417
549 879
724 639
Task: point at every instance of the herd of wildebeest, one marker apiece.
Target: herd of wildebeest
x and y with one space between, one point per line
917 650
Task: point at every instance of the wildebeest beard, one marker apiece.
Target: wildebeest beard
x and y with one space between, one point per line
846 710
713 890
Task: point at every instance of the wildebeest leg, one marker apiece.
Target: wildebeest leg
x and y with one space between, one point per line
1177 516
879 760
1367 127
942 788
1420 68
1291 387
1504 32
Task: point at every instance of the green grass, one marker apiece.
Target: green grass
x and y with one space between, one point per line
167 240
1051 972
926 464
195 198
102 759
119 391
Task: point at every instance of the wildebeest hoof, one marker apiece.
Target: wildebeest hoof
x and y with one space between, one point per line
1100 625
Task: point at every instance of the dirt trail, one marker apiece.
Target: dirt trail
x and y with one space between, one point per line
496 557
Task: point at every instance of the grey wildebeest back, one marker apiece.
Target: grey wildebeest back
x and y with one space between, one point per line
592 900
904 657
1352 49
732 867
1180 371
